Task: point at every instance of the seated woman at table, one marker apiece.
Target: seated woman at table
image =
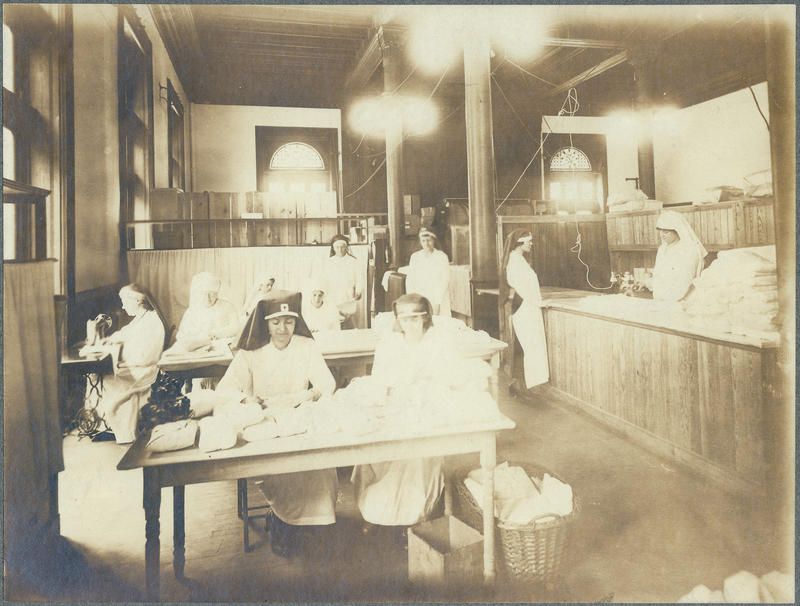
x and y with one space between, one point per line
262 288
412 363
208 317
141 341
280 366
679 260
318 312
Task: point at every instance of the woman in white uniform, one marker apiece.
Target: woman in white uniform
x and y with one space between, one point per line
262 288
280 366
679 260
408 362
522 286
318 312
208 317
141 341
343 281
429 274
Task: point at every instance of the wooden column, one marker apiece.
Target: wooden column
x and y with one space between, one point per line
480 160
392 77
781 84
646 97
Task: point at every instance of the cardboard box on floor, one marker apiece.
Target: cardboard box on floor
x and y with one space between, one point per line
445 553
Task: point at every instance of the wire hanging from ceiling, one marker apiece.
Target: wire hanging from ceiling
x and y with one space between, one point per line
523 70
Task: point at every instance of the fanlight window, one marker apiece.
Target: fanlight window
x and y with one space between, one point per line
570 159
296 156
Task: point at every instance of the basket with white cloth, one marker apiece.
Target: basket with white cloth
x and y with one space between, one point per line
533 551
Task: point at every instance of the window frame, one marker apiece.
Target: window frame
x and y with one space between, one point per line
175 128
131 124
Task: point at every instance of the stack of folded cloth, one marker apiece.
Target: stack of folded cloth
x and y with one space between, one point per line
519 499
746 588
738 293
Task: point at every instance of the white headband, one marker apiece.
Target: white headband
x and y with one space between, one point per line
524 239
412 314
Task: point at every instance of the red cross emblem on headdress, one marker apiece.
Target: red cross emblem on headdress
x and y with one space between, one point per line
284 307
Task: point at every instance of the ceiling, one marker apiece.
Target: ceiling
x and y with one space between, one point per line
319 56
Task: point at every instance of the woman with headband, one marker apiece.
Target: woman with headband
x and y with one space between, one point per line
429 274
521 284
411 362
343 280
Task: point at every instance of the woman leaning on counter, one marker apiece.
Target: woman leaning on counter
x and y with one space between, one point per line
521 284
679 260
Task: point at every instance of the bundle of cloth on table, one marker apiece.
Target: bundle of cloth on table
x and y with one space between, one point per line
738 293
362 407
521 499
746 588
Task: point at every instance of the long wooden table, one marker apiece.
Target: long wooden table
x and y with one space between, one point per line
297 454
345 350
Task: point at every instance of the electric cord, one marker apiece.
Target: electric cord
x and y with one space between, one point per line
758 106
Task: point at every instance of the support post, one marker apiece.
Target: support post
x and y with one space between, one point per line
781 65
392 77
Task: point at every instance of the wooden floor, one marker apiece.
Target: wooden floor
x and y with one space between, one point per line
647 531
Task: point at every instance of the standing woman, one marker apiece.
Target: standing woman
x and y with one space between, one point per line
429 274
141 341
344 281
280 366
521 285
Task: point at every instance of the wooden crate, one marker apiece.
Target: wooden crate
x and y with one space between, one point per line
444 552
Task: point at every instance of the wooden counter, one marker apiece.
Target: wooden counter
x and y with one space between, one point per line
702 400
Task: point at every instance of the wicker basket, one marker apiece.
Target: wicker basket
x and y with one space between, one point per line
534 552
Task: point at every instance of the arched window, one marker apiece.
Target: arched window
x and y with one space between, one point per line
570 159
296 156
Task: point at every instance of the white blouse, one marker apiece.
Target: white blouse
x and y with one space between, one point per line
267 372
343 279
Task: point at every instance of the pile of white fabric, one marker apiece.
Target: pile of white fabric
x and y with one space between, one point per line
746 588
520 499
738 293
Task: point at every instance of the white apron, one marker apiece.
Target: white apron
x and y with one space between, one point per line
405 492
304 498
127 390
398 493
527 321
429 276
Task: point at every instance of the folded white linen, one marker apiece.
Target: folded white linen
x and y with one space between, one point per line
239 415
172 436
517 499
216 434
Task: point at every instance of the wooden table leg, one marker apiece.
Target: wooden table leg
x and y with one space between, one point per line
494 378
178 532
152 510
488 462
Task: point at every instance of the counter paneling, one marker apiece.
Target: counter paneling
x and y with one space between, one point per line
700 401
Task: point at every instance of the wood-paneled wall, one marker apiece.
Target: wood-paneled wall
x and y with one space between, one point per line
555 259
633 241
702 402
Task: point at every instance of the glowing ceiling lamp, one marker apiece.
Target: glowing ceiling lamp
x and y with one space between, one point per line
373 116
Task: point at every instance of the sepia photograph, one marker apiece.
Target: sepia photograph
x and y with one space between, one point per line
341 303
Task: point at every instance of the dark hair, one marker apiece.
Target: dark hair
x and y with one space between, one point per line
255 333
337 238
420 303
